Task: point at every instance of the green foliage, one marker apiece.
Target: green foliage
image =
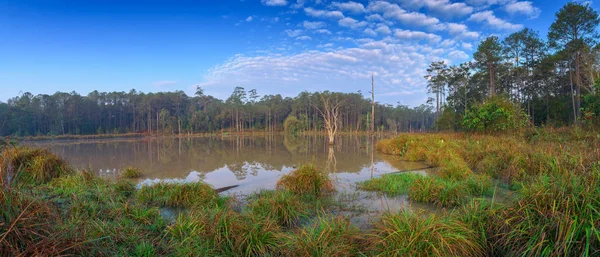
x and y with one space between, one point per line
449 120
292 125
591 110
497 114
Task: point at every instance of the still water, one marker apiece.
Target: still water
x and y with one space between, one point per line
250 163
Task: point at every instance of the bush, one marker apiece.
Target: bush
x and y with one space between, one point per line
498 114
292 125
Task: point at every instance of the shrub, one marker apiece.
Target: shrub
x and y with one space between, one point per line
292 125
306 180
497 114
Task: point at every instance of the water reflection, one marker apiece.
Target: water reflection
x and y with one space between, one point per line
251 162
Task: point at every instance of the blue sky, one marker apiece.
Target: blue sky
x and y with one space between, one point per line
274 46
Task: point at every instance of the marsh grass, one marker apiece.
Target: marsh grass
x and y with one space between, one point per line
178 194
48 209
392 184
307 180
130 172
223 232
30 165
284 207
327 236
420 235
26 228
553 216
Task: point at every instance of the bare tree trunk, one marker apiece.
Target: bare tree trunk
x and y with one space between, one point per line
573 96
372 104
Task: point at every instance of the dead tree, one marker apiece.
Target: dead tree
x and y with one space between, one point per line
330 114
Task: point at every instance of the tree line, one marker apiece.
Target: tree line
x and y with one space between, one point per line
177 113
555 81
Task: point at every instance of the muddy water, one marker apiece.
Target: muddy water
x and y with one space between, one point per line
252 163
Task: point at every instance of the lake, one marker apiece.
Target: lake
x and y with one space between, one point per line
250 163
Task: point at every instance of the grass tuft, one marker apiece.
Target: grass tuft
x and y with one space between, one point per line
419 235
307 180
284 207
131 172
178 195
328 236
30 165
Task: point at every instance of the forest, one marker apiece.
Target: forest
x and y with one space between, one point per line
178 113
555 81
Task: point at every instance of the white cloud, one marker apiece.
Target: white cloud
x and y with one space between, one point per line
461 31
274 2
314 25
467 46
441 7
525 8
323 31
375 17
249 19
351 23
383 29
293 33
393 11
328 45
323 14
416 35
304 38
489 18
397 68
353 7
458 54
370 32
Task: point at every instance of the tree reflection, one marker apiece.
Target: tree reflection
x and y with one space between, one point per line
243 156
